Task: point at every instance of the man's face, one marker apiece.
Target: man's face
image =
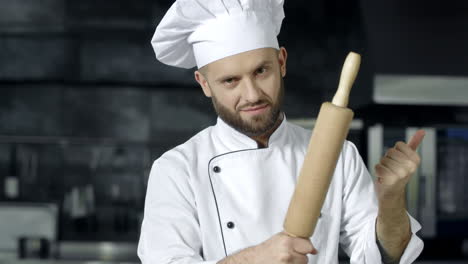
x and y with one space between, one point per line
247 89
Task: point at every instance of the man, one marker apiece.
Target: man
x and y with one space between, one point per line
222 196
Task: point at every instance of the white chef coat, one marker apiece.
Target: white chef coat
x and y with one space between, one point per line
218 193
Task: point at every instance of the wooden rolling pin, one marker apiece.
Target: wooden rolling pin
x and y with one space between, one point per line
325 145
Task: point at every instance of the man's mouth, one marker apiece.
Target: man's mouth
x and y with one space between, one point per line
255 109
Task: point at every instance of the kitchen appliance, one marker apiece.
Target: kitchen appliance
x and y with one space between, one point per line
28 228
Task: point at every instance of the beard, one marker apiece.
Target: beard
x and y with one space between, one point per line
258 124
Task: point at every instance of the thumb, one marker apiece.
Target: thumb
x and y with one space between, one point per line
304 246
416 139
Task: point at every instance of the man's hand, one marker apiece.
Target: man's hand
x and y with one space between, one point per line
279 249
396 167
393 173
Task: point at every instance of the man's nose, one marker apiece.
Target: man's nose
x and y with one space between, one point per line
252 92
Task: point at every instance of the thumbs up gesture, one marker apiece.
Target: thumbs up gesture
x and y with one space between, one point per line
396 167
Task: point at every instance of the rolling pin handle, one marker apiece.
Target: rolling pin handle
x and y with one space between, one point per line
348 75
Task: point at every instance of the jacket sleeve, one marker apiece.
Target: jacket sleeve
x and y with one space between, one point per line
359 214
170 229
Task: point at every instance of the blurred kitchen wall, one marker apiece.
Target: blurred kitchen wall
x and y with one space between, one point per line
85 107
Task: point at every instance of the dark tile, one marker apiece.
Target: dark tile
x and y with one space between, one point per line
108 14
35 58
176 116
28 110
117 112
409 38
128 59
31 15
178 110
159 9
301 105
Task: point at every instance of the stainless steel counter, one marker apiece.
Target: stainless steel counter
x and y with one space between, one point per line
39 261
112 253
74 252
103 251
103 262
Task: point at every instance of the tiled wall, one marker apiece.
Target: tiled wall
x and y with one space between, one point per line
83 74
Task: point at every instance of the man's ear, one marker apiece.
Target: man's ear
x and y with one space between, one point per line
282 57
200 78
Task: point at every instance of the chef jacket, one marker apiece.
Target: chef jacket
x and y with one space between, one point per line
219 193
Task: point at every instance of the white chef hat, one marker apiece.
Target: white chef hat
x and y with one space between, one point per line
198 32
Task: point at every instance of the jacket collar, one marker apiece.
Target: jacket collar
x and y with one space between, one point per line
234 140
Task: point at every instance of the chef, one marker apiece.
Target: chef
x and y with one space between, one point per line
221 197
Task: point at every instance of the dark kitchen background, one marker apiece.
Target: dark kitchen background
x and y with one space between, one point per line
85 108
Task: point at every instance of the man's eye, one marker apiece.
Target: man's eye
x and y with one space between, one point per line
260 70
229 81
